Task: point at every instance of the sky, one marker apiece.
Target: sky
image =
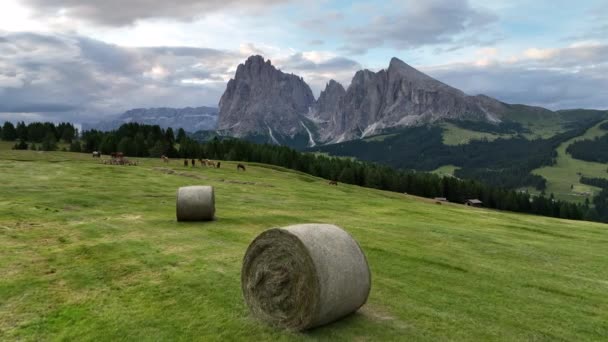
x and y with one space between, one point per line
83 61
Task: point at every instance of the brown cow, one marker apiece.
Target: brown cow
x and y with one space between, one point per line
218 164
185 162
333 182
164 158
240 167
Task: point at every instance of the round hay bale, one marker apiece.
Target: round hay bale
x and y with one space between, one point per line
195 203
303 276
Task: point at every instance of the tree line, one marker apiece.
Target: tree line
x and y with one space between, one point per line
500 163
46 134
600 210
138 140
595 150
143 140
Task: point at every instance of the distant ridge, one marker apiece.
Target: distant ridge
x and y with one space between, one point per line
191 119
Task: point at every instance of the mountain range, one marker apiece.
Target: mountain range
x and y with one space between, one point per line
189 118
262 101
263 104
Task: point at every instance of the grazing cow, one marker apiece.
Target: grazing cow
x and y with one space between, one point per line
164 158
333 182
193 163
240 167
185 162
96 154
117 155
218 165
200 161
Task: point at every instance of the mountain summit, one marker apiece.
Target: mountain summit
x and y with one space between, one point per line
263 100
402 96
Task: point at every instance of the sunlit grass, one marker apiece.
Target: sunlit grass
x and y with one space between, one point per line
93 252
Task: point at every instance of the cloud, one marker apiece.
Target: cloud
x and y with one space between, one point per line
64 77
122 13
560 78
68 77
318 67
413 24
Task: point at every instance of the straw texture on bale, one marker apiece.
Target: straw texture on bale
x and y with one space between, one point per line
195 203
303 276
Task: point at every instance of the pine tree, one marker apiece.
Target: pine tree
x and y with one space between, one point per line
22 131
75 146
21 145
181 135
49 143
9 133
169 137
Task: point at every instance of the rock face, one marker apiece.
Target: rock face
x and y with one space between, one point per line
401 96
189 118
326 111
263 100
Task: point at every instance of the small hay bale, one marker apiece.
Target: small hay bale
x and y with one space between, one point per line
195 203
303 276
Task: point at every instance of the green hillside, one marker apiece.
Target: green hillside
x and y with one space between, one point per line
93 252
563 178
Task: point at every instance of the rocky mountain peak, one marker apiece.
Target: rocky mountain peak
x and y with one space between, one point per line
261 99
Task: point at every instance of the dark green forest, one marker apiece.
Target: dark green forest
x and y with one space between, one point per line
600 202
38 135
502 162
595 150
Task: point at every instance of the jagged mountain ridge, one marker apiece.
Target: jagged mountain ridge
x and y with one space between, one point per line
262 100
191 119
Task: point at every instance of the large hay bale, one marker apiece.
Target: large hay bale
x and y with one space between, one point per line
195 203
302 276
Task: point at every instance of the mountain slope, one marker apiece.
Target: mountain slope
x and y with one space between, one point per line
77 266
403 96
189 118
262 100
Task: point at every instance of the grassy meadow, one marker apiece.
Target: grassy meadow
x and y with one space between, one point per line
93 252
567 171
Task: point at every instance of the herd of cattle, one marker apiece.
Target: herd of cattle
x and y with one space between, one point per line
118 158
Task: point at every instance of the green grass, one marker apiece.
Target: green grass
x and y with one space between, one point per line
539 122
565 173
93 252
446 170
454 135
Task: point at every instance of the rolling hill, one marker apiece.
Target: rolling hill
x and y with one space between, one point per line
93 252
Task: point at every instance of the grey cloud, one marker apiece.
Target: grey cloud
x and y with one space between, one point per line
121 12
297 62
568 78
323 22
420 23
317 74
36 107
64 77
